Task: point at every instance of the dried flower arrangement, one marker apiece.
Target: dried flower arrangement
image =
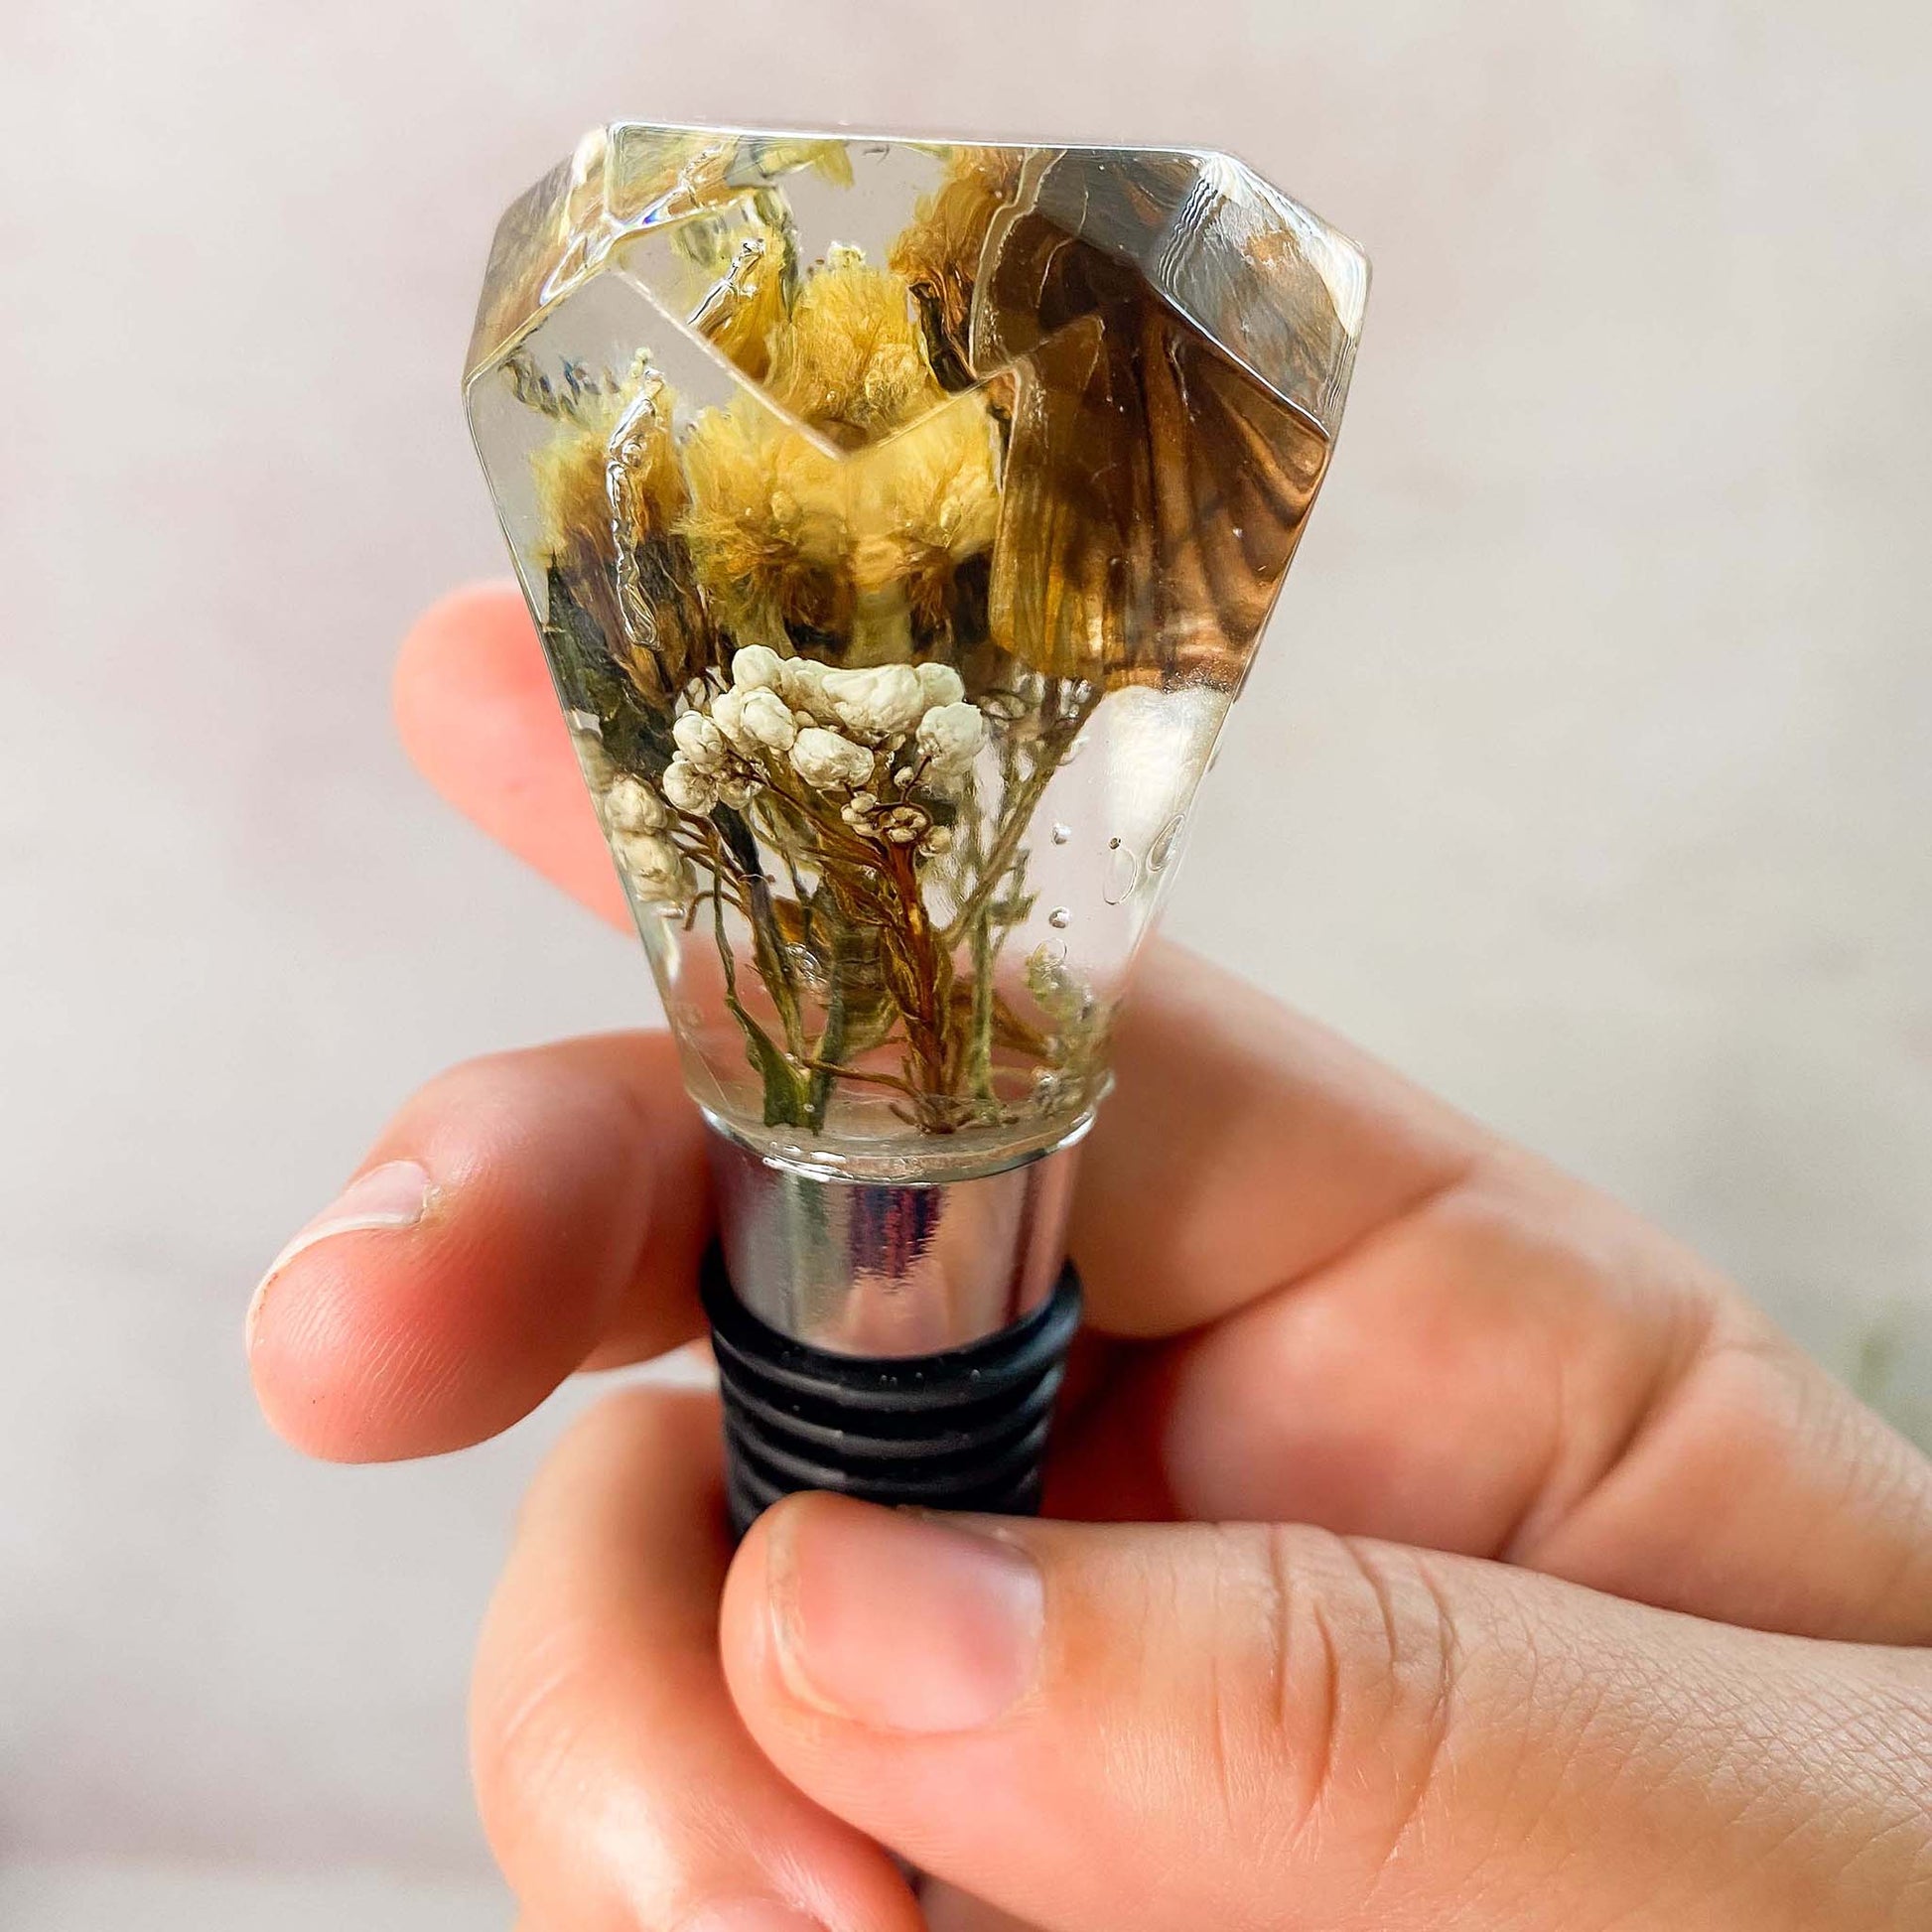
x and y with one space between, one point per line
827 644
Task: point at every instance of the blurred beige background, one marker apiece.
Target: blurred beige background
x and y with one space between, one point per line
1586 774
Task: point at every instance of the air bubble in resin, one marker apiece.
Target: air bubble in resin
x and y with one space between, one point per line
1160 853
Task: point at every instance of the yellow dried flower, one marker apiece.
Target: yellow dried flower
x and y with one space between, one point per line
573 508
748 309
925 501
940 253
766 526
852 362
610 466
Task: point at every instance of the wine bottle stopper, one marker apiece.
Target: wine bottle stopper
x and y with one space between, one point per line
900 519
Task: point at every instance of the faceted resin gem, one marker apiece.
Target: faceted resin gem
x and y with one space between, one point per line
901 518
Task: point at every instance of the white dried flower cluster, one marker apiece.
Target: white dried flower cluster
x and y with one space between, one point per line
636 822
592 758
828 761
656 867
837 730
905 824
950 735
631 806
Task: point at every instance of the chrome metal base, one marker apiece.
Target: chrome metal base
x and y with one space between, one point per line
890 1269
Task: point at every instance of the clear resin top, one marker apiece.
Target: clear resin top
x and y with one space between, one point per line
900 519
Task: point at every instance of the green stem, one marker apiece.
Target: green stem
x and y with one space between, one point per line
767 943
871 1080
782 1100
919 981
825 1056
980 1054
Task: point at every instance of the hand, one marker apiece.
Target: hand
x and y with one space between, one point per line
1558 1590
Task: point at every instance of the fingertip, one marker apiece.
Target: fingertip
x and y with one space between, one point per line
564 1210
478 716
380 1344
476 628
341 1357
744 1613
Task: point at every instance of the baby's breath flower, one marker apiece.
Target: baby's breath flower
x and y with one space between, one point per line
594 759
950 735
631 806
904 824
940 684
763 719
802 686
688 788
654 866
828 761
700 741
758 668
727 714
874 705
738 788
937 841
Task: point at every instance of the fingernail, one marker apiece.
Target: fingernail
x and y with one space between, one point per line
396 1194
749 1915
901 1621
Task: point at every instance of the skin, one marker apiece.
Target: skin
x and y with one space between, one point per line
1552 1587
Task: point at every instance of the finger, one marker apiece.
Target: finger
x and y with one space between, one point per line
1158 1728
1243 1148
479 720
1428 1336
1521 1369
524 1216
948 1910
616 1785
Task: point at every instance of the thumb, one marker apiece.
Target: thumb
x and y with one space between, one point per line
1151 1729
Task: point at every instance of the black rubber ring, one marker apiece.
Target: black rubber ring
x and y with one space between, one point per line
966 1429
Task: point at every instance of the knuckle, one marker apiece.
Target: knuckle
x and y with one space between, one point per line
1349 1695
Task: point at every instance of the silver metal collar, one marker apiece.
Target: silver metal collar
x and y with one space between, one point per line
892 1268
